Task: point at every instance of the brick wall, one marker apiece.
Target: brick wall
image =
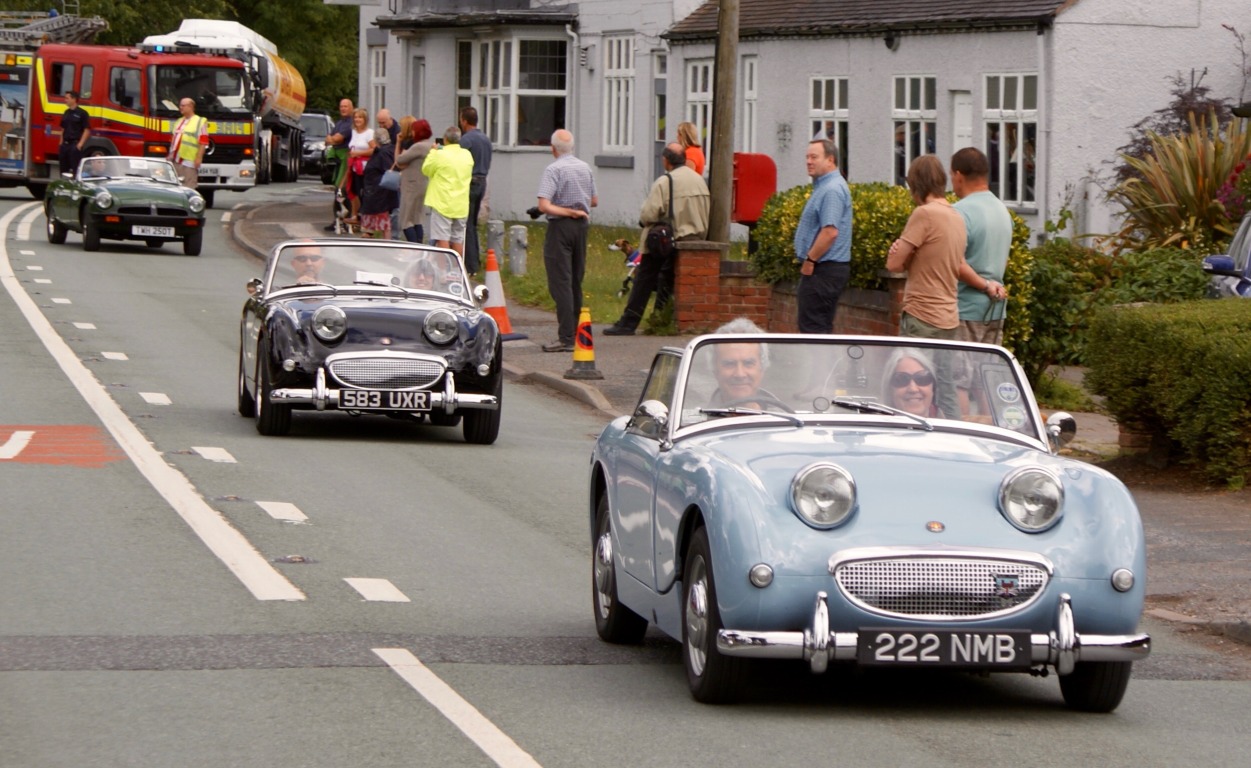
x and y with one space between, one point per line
711 290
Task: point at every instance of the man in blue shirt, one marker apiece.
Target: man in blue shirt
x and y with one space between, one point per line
823 240
566 197
336 146
479 146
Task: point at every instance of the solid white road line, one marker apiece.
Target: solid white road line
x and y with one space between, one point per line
283 510
114 355
378 590
156 398
220 455
502 750
16 442
223 540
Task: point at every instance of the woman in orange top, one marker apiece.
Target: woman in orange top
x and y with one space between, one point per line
688 137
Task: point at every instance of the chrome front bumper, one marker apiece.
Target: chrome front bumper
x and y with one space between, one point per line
323 397
1062 647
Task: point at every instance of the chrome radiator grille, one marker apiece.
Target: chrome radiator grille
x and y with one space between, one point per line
941 587
387 373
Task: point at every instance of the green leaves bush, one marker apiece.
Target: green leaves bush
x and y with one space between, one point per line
1180 371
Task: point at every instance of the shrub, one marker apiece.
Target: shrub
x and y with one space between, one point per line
1180 371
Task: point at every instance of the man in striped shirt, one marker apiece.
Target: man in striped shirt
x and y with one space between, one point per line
566 197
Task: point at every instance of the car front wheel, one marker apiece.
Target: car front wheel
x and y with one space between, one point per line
56 230
1096 686
91 234
192 243
247 406
271 419
613 621
712 677
482 426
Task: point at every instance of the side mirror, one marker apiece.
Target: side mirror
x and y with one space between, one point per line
481 294
1220 265
650 418
1061 429
254 286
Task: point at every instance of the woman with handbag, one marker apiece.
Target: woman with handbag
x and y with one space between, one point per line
360 147
416 139
377 201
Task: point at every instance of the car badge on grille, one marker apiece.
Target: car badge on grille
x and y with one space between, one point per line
385 341
934 526
1006 586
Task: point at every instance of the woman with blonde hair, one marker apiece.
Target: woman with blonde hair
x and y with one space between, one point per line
688 137
360 148
415 143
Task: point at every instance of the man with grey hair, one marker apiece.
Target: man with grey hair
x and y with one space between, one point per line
739 367
449 167
566 197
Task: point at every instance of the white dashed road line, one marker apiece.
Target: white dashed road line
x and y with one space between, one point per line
85 326
15 444
114 355
378 590
61 301
220 455
43 281
501 749
282 510
156 398
257 574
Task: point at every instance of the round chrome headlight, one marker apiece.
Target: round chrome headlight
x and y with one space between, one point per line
441 326
1032 499
823 495
196 204
329 323
103 199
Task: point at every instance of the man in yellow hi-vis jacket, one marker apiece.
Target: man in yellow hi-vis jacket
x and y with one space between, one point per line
188 143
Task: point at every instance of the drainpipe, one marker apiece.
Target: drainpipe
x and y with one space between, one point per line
1042 153
575 52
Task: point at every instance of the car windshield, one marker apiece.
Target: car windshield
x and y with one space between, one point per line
218 92
314 126
127 167
352 263
895 378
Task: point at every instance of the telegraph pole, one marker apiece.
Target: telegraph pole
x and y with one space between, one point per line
725 74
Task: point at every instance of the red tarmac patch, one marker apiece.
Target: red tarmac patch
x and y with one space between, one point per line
66 444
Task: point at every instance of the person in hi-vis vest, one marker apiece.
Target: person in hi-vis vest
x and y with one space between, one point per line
189 142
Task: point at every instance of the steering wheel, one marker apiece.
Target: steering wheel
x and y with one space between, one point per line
760 398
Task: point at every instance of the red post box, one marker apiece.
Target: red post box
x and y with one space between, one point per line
755 181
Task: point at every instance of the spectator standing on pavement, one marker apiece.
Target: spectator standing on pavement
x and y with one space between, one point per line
377 202
689 219
392 128
479 145
931 251
823 240
415 144
360 147
336 147
75 130
688 137
566 197
188 143
449 167
989 228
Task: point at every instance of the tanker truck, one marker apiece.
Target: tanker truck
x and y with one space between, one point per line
279 88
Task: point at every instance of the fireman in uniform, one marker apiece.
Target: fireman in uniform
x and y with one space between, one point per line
188 143
74 134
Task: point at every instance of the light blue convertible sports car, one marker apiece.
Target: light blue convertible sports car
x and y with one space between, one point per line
870 500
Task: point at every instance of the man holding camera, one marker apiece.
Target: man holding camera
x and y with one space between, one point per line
449 167
681 200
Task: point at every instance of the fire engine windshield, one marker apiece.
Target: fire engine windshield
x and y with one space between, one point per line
219 92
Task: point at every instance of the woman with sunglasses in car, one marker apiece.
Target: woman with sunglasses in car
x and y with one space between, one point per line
908 383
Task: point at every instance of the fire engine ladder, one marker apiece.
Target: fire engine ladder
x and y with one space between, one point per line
32 30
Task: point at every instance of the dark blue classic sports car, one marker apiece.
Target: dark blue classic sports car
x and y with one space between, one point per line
862 500
369 327
125 198
1231 272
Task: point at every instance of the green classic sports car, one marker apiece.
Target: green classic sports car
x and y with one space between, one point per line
125 198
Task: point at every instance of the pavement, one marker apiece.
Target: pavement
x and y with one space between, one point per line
1213 553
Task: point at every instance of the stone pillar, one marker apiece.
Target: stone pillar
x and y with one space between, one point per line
517 243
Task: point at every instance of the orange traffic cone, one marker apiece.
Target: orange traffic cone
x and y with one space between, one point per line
583 350
495 306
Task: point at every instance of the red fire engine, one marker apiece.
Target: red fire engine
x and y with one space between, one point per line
131 95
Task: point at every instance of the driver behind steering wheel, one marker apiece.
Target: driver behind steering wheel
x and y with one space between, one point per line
738 368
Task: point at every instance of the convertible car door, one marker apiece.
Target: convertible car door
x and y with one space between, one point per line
635 473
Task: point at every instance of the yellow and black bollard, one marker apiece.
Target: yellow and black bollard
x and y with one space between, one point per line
583 350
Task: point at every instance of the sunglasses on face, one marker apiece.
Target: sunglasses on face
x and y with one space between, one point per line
920 378
306 258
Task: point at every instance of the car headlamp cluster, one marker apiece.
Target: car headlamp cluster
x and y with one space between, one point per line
196 204
1032 499
823 495
103 199
441 326
329 323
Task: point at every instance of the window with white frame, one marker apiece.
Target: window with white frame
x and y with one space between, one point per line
619 93
378 76
1011 118
751 66
519 85
699 100
828 114
914 112
660 81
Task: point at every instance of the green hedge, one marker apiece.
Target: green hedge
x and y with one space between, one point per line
1181 371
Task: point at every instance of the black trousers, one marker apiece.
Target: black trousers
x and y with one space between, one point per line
68 156
477 191
817 296
654 273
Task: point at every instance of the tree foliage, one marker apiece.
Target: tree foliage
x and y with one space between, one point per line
1191 101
